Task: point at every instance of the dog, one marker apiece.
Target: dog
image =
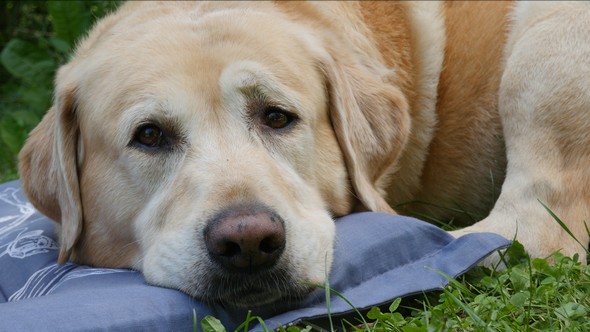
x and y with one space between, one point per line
211 145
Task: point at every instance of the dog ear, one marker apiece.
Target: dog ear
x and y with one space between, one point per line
371 121
49 173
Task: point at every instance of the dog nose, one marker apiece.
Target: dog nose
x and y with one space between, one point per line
246 240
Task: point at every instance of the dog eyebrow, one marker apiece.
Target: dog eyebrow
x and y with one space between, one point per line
256 82
264 90
148 112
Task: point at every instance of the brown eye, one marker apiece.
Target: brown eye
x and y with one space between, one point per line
150 136
277 118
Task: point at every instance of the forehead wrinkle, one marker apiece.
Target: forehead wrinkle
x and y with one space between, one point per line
253 82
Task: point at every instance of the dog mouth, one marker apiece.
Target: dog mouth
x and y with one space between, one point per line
253 298
240 291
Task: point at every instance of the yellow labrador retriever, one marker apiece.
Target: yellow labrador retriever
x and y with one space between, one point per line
210 145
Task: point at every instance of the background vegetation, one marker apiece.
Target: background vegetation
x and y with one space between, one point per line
36 37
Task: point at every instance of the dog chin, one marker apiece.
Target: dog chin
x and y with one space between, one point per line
242 292
253 299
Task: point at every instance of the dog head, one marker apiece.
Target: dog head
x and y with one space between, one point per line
210 145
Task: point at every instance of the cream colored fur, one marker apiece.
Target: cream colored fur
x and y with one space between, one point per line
428 44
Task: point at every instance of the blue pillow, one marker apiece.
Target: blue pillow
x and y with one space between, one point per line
378 257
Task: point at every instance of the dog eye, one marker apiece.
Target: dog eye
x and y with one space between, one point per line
150 136
278 118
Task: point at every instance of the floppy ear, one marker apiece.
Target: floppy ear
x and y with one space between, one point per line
371 121
49 173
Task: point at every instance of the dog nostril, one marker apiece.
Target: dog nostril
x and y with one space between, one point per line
230 249
271 244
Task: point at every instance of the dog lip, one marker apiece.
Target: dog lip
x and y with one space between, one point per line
253 291
250 299
259 298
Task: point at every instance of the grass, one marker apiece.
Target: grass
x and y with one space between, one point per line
531 295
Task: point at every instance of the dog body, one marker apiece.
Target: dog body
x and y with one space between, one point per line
209 145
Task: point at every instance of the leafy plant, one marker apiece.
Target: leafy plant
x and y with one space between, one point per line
36 38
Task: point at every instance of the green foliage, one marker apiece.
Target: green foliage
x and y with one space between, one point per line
27 61
212 324
528 296
70 19
35 39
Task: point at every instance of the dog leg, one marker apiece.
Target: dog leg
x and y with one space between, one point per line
545 110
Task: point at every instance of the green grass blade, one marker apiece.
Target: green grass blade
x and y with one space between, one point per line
564 226
327 290
340 295
468 311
